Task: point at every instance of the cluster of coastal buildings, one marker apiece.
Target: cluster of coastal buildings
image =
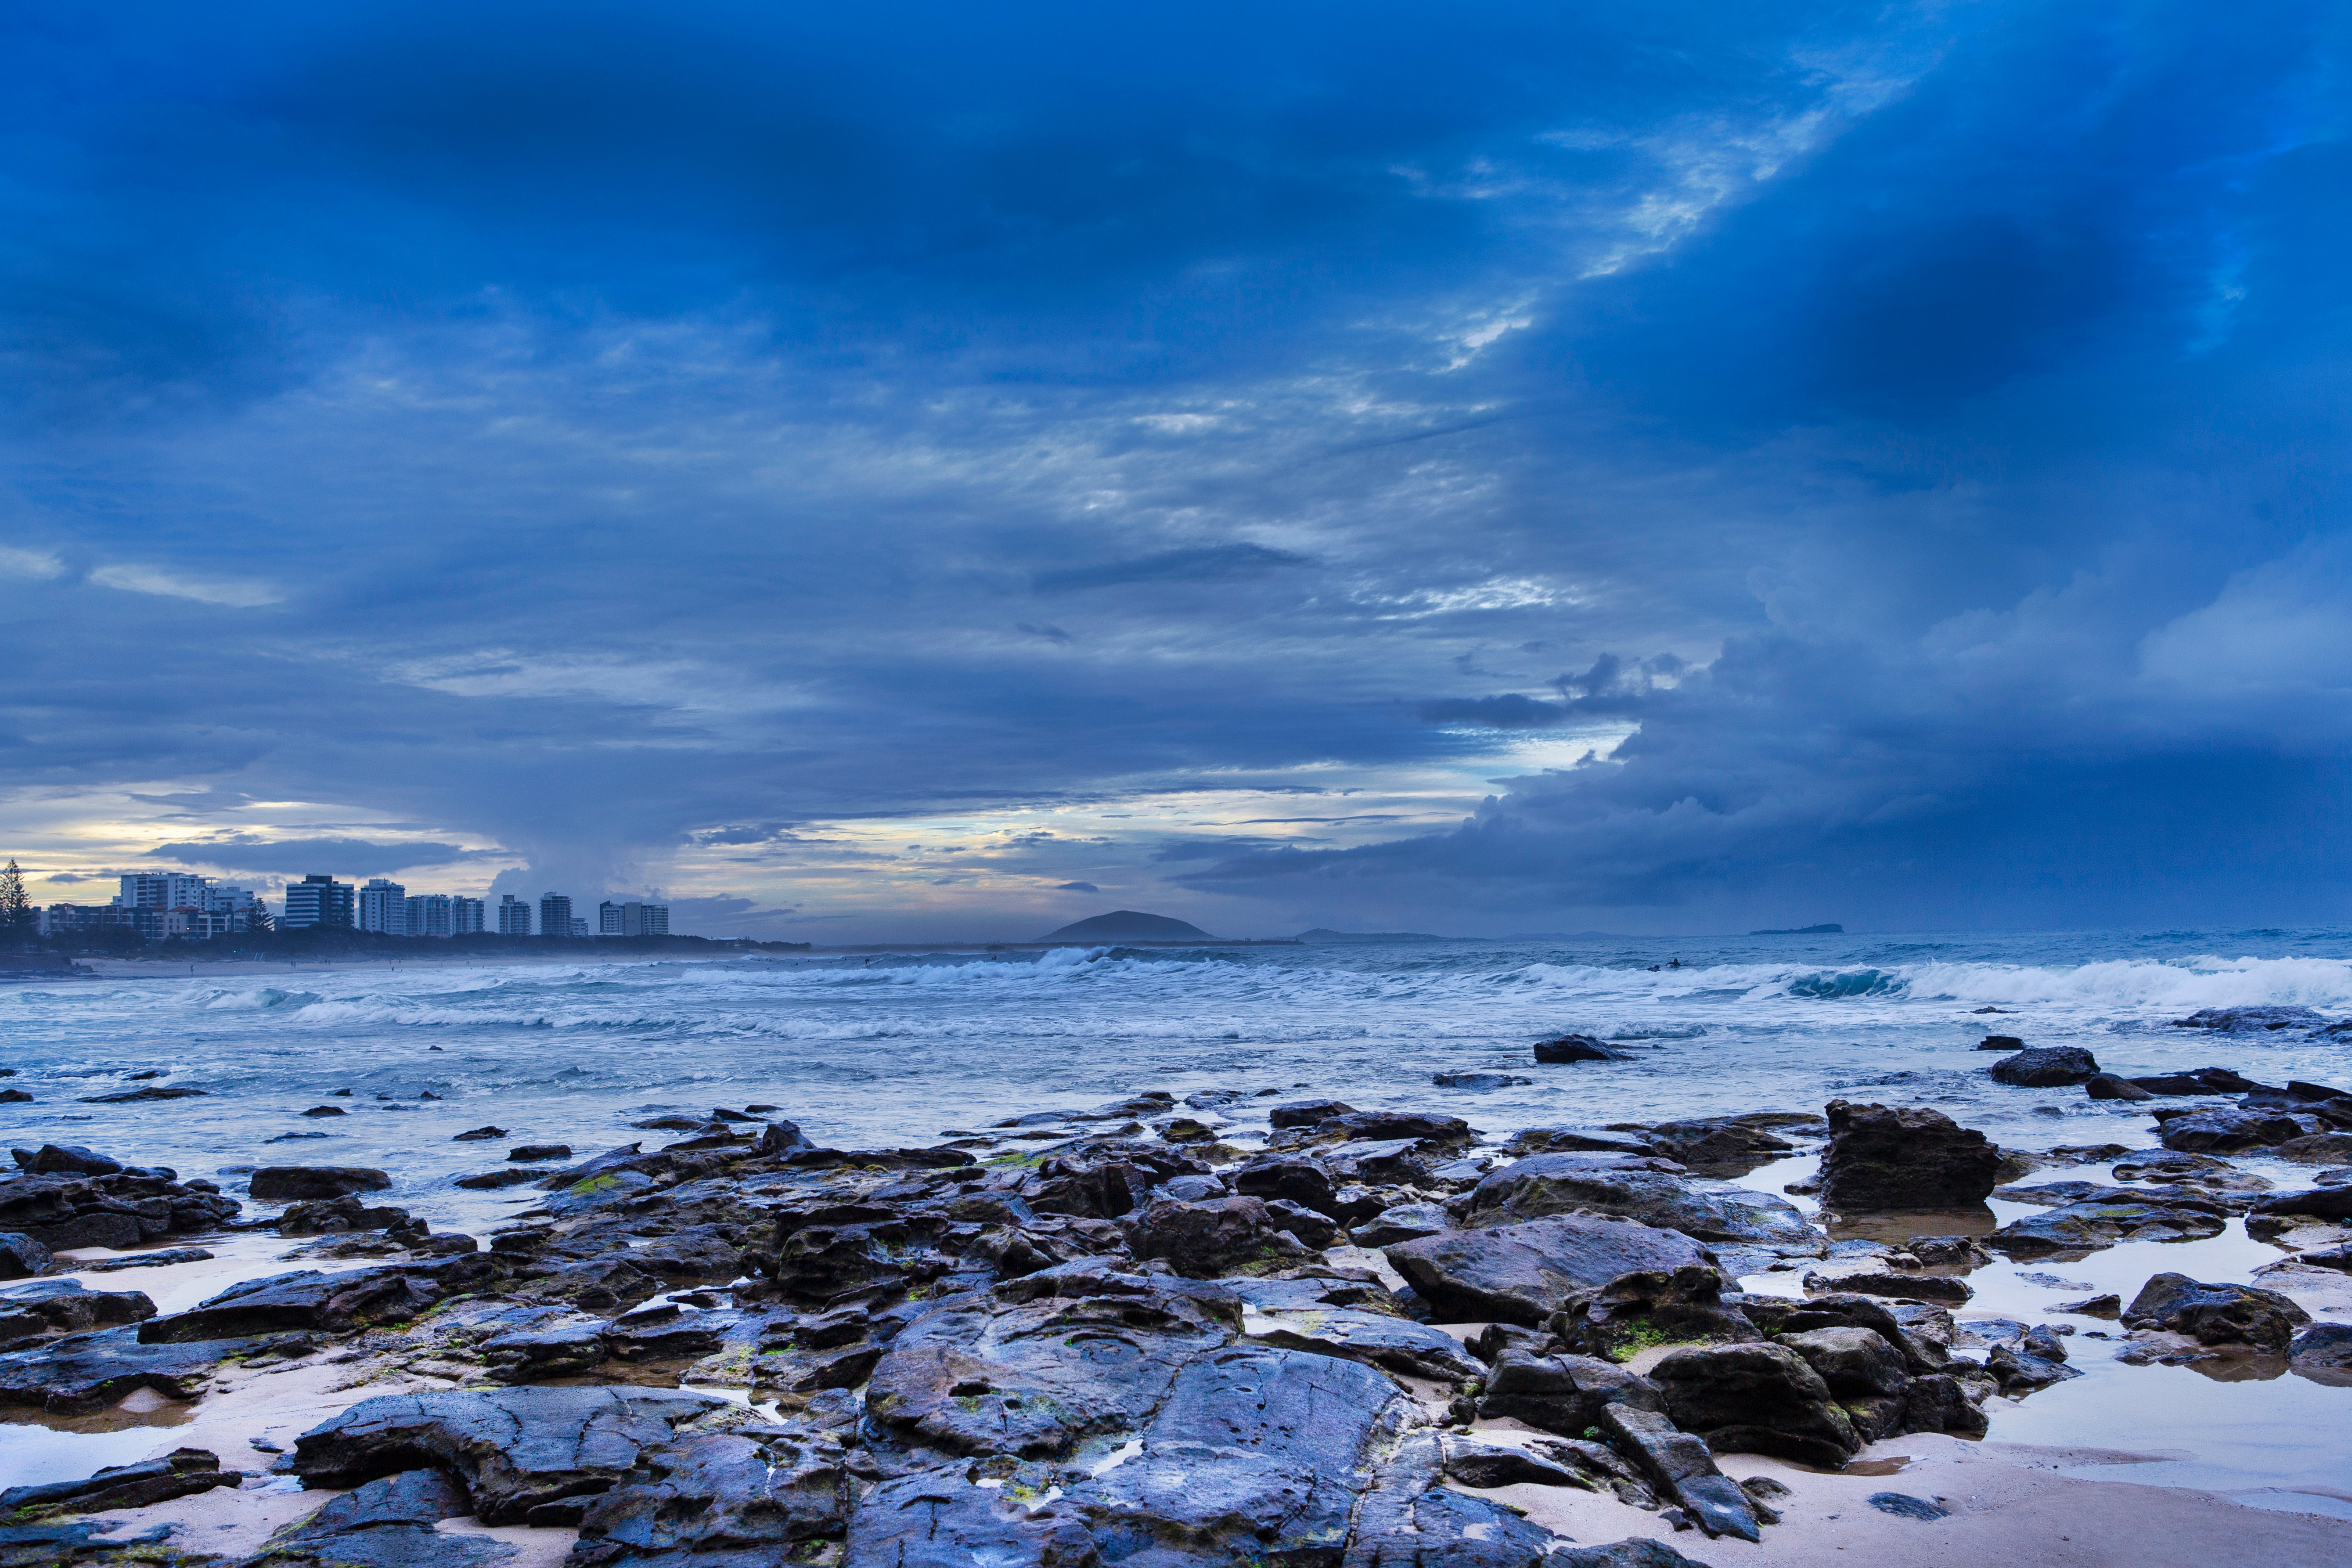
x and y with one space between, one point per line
170 906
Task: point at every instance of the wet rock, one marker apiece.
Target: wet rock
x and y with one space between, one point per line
1294 1179
2322 1350
1682 1466
2319 1149
695 1252
65 1159
2109 1305
1732 1144
491 1181
181 1473
1388 1160
2094 1222
1478 1080
66 1307
2319 1203
1755 1398
2020 1370
541 1152
1523 1273
782 1140
527 1456
1033 1380
2001 1043
152 1091
1562 1393
1306 1112
2198 1080
1579 1049
388 1523
720 1494
1203 1240
1909 1157
1105 1180
1546 1184
2215 1314
1941 1287
1405 1222
1939 1402
85 1373
2048 1067
1924 1344
944 1518
1854 1362
338 1214
1256 1454
1634 1552
535 1357
1409 1520
288 1184
479 1135
21 1256
1556 1140
2250 1020
326 1111
120 1211
2107 1085
325 1304
2231 1128
1903 1505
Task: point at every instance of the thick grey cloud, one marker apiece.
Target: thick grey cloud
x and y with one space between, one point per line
1901 448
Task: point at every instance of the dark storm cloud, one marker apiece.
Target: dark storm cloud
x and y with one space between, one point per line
599 430
301 856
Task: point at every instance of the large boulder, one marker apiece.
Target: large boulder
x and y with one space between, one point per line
1033 1380
2046 1066
184 1472
1757 1399
1524 1273
1562 1393
22 1256
1865 1375
1908 1157
713 1494
527 1456
388 1523
1682 1466
2198 1080
2323 1353
298 1184
2315 1203
1288 1178
321 1302
1202 1240
2215 1314
1580 1048
2101 1221
65 1159
2231 1128
1545 1185
1376 1339
86 1372
1408 1520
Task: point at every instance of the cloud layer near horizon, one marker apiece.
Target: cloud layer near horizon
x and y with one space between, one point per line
927 471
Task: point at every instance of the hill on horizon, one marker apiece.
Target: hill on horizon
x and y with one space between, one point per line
1128 925
1326 935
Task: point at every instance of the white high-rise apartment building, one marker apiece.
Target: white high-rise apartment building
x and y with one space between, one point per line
428 914
632 920
164 891
384 907
554 915
464 916
514 917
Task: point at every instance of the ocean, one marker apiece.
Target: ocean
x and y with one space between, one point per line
881 1049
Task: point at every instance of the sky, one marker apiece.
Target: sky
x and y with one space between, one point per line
906 471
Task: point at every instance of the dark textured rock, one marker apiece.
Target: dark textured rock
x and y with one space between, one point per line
1903 1505
2231 1128
288 1184
66 1307
1478 1080
1854 1362
388 1523
1291 1179
491 1181
2320 1149
2107 1085
2318 1203
1902 1287
2324 1351
2094 1222
942 1518
1755 1398
1306 1112
2215 1314
2001 1043
711 1495
1523 1273
1727 1144
150 1092
65 1159
1634 1552
1206 1239
1409 1520
336 1216
1033 1380
181 1473
1562 1393
1104 1180
1940 1403
536 1356
84 1372
2048 1067
1682 1466
1579 1049
2250 1020
1910 1157
1405 1222
1922 1352
328 1303
527 1456
2021 1370
21 1256
534 1152
1555 1183
2198 1080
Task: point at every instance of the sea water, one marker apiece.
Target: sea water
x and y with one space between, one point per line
878 1049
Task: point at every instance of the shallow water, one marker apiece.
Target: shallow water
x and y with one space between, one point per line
898 1049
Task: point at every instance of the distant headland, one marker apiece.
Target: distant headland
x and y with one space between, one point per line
1831 930
1129 925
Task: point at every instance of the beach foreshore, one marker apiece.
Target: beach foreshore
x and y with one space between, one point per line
1232 1329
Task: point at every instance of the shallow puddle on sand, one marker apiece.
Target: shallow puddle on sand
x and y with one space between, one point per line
35 1447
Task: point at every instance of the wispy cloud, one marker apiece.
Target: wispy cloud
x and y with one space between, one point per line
173 585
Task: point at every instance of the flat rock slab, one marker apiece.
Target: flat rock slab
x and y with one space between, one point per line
1523 1273
83 1373
1569 1183
2086 1226
1395 1345
527 1456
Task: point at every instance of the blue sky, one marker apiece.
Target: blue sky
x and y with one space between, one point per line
919 470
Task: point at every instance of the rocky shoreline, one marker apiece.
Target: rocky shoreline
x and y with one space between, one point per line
1127 1334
